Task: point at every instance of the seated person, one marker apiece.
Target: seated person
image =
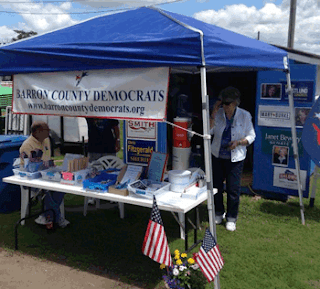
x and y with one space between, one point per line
39 140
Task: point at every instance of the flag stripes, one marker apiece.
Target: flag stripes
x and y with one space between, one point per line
155 244
209 257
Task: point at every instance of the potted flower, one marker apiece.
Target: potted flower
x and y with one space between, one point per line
183 274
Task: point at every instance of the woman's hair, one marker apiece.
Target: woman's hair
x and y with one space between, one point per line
230 94
304 110
37 125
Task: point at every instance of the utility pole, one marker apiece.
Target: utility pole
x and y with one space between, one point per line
292 23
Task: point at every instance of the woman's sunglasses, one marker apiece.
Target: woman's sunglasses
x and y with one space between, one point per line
226 102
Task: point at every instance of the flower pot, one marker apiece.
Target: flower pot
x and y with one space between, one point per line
168 286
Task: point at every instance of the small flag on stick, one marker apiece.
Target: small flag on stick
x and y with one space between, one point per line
209 257
155 244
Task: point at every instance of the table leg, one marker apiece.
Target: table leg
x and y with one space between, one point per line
121 209
182 220
62 214
85 208
186 234
25 203
196 222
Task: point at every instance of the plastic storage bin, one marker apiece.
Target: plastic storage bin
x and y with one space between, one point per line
75 178
22 174
10 195
101 182
52 174
147 188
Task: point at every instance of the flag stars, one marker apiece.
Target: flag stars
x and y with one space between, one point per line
155 214
209 257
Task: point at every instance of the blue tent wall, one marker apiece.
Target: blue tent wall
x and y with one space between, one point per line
263 168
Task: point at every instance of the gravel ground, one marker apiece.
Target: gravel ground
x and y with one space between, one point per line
18 271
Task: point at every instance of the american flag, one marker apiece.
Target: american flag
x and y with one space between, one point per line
209 257
155 244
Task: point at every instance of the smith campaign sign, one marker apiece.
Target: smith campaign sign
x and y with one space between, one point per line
139 93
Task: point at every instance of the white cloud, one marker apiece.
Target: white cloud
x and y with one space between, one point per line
121 3
58 16
52 19
6 34
66 6
272 21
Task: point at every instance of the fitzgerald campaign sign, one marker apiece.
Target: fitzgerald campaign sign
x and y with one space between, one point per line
139 93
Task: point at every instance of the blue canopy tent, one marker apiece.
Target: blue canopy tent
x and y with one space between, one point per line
138 38
147 37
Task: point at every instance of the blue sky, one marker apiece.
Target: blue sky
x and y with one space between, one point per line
186 7
192 6
268 18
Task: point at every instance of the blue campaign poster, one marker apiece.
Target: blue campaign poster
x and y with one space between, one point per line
141 138
157 166
273 165
302 90
139 151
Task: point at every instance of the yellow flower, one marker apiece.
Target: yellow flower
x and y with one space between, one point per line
162 266
176 252
190 261
184 255
179 262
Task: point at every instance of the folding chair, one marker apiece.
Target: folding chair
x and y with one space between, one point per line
106 162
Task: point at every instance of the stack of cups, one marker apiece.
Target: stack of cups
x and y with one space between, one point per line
179 180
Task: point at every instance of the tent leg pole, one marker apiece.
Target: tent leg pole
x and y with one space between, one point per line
295 145
207 158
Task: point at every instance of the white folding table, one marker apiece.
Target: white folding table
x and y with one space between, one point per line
167 201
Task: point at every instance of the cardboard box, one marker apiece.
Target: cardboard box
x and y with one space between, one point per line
122 192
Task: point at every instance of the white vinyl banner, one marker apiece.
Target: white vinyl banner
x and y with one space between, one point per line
287 178
139 93
276 116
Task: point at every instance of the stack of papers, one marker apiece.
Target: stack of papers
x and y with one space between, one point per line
132 173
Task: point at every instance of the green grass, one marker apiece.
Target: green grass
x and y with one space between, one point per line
269 249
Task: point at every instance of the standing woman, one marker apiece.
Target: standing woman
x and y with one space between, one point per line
232 131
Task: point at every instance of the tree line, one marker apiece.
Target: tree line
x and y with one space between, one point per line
23 34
